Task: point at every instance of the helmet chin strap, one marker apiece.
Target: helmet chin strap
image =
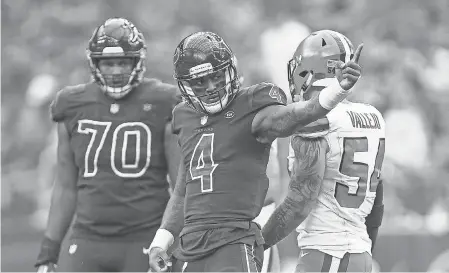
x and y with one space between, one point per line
116 92
218 106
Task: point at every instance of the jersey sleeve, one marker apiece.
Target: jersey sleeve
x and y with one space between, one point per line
174 97
266 94
58 107
175 128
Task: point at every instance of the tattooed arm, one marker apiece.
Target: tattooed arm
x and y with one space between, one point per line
305 184
282 121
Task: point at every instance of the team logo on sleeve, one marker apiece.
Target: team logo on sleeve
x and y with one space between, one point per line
275 93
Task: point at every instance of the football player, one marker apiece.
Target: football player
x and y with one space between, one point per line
225 133
111 171
335 192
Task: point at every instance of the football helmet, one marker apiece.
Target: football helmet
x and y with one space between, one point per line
314 61
201 54
115 38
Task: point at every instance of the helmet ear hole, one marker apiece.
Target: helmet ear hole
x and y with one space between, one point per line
323 42
303 74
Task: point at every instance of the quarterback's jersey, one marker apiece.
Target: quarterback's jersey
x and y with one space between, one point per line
355 134
118 149
226 181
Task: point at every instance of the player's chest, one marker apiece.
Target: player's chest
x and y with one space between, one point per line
126 130
118 118
224 135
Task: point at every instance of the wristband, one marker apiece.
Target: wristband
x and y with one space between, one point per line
330 96
163 239
49 252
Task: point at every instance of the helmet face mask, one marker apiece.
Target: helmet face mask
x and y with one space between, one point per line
117 39
206 71
116 72
314 61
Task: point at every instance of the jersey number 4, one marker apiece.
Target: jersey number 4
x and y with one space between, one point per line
202 164
352 167
121 165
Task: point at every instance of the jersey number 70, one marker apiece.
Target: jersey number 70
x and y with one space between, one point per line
354 168
119 147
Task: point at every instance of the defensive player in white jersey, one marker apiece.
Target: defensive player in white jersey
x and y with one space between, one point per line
335 193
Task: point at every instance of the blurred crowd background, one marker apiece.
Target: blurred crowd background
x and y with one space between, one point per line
405 74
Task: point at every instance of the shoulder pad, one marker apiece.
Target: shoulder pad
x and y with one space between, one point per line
176 110
60 106
266 94
318 128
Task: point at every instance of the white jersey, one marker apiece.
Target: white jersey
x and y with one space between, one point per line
355 134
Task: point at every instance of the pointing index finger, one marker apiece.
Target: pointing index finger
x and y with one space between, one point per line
357 53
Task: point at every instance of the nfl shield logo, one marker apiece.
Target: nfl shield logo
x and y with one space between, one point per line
203 120
114 108
72 248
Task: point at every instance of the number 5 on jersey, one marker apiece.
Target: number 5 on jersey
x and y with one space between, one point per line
202 165
358 169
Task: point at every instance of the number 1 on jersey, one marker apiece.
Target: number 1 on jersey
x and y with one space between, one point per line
202 164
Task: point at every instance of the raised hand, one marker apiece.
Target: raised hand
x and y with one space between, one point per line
349 73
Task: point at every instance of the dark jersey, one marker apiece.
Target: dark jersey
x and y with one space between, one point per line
118 148
226 180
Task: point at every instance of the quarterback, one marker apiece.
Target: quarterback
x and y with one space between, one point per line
225 134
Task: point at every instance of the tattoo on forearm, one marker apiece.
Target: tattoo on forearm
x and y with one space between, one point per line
305 184
298 115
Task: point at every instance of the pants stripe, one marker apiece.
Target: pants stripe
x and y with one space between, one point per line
335 263
250 261
247 258
184 266
326 263
344 263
